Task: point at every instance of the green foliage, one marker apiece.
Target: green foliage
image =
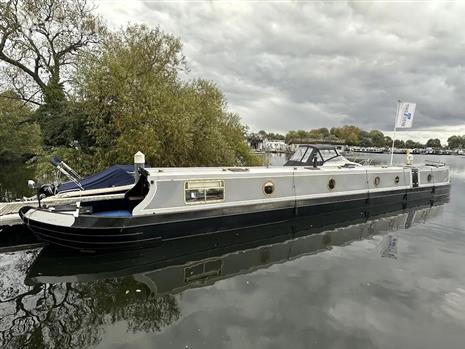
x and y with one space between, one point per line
350 133
387 141
366 142
270 136
455 142
319 134
377 138
13 181
81 161
39 45
324 132
64 123
136 100
291 135
413 145
20 137
434 143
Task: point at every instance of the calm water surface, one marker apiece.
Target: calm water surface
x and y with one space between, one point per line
363 285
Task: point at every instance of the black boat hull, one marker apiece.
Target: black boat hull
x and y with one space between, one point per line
92 233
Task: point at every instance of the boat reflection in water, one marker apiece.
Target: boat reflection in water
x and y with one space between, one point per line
178 265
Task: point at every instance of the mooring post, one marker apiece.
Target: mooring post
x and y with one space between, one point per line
139 161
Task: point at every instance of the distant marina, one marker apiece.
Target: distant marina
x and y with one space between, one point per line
282 147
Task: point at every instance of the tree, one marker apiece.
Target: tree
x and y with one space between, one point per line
387 141
366 142
409 144
290 135
318 133
135 101
455 142
302 134
314 134
323 132
350 133
399 144
413 145
434 143
377 137
272 135
39 42
20 136
277 136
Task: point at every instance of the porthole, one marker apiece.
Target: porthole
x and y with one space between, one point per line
331 184
397 180
377 181
268 188
430 177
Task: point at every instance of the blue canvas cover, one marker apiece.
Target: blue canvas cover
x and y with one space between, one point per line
113 176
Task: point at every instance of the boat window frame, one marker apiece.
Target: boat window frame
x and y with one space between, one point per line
329 159
305 158
312 152
205 200
307 148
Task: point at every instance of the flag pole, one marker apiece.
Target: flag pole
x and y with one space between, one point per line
395 131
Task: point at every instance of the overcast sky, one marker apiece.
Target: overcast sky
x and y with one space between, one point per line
300 65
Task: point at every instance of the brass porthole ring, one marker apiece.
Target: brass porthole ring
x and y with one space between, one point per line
377 181
331 184
268 188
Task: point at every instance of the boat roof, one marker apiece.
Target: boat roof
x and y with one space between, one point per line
319 146
224 172
167 171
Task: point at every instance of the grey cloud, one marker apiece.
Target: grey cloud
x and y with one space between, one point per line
303 65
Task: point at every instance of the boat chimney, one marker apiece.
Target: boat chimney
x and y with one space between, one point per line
139 162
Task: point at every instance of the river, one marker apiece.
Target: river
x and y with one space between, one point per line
396 281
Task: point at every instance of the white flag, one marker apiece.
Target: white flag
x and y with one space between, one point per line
405 115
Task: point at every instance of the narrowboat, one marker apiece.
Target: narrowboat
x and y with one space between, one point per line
175 203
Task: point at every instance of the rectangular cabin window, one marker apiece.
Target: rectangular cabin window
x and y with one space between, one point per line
203 191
